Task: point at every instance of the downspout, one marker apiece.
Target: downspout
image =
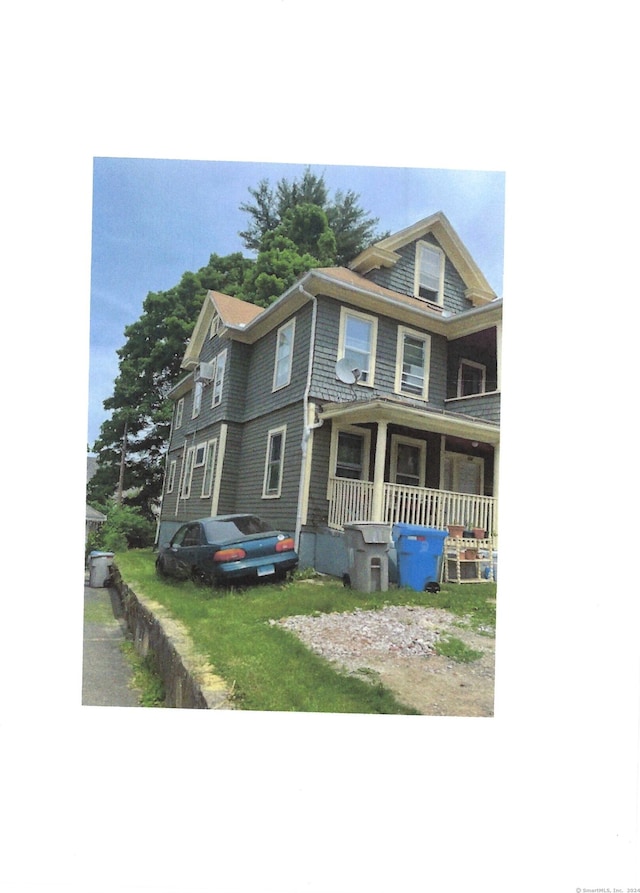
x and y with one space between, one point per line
308 426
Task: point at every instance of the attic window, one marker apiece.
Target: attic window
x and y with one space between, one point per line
429 273
215 325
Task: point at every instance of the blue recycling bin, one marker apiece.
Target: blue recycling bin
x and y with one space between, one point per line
419 550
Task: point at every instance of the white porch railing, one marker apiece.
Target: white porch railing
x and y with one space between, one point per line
352 501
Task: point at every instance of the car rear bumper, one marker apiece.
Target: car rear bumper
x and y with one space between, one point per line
265 568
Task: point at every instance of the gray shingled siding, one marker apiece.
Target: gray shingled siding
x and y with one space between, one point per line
280 511
400 277
481 406
326 387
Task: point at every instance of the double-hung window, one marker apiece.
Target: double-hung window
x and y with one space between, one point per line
274 464
220 364
197 398
357 343
209 468
171 476
188 473
429 272
179 412
351 448
284 354
412 365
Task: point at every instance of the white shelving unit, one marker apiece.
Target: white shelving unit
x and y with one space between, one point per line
468 560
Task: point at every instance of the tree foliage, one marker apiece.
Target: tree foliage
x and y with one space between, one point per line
293 227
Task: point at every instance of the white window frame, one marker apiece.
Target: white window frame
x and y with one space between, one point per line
346 313
179 412
188 473
474 365
220 365
365 433
171 476
281 359
404 332
198 387
438 293
214 328
269 462
396 440
209 468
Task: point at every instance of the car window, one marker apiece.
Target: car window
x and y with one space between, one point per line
192 537
220 531
179 536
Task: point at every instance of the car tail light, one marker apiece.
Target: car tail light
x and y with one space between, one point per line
285 545
229 555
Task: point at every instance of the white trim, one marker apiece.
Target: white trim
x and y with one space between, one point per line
456 460
291 324
273 432
347 313
403 332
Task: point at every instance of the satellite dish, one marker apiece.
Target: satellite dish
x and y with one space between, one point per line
347 372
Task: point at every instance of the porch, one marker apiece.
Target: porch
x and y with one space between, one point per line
355 500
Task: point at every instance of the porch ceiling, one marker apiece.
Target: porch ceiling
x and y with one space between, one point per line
362 411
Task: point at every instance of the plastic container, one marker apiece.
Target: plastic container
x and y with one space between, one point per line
368 544
99 568
419 552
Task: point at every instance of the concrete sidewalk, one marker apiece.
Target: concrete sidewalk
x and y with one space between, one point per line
106 674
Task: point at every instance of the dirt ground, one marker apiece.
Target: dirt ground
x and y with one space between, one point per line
396 646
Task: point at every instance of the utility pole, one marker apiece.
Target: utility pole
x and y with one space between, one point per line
123 455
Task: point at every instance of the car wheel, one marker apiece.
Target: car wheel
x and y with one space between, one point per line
160 568
197 576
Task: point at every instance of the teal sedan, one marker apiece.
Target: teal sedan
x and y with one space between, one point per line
227 549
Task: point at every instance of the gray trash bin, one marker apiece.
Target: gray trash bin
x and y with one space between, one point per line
368 544
100 564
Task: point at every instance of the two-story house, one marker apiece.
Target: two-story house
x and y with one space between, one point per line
363 394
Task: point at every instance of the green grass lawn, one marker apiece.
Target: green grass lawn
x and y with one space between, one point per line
268 667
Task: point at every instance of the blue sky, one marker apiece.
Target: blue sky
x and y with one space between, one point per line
154 219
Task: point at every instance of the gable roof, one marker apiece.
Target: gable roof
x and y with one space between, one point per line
385 254
232 312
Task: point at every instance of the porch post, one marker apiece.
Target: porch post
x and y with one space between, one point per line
377 504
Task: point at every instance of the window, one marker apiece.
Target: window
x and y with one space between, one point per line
284 354
429 277
188 473
179 412
472 378
463 474
197 398
274 464
209 468
351 448
220 363
408 461
358 334
215 326
171 476
412 370
201 452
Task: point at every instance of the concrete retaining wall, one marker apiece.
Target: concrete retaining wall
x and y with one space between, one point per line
188 678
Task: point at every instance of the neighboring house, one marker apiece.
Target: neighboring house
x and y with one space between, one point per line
273 419
93 519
